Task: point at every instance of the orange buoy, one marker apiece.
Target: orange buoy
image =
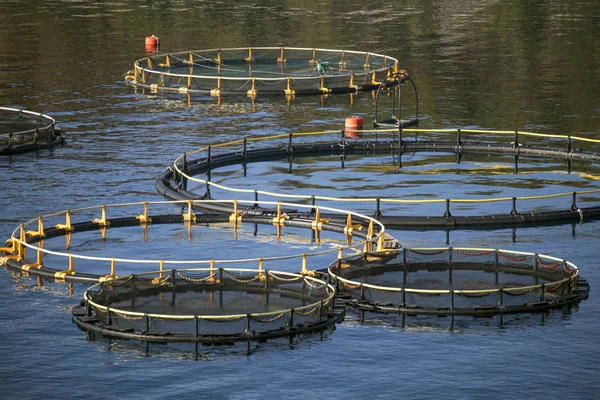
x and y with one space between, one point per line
152 43
352 125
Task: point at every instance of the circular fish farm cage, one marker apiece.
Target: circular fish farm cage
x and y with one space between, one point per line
208 306
256 71
22 131
28 251
191 175
458 282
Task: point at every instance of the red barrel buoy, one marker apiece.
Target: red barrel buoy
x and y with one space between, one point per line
152 43
352 125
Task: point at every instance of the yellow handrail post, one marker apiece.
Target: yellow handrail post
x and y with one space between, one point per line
189 217
67 225
304 265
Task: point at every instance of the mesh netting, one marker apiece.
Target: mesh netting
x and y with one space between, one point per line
209 305
452 281
263 70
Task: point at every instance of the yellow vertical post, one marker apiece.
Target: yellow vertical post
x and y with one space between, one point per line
161 269
352 85
343 62
67 225
189 217
304 265
316 224
370 236
289 91
278 220
149 63
340 253
112 274
211 276
21 247
348 229
102 222
249 58
380 242
191 62
143 218
40 230
70 271
168 61
218 60
313 60
281 59
367 65
252 92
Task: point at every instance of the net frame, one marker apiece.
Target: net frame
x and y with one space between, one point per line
174 72
561 284
318 311
174 180
31 234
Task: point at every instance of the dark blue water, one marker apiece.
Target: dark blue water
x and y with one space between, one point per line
495 64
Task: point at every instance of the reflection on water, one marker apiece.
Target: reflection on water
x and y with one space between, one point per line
502 64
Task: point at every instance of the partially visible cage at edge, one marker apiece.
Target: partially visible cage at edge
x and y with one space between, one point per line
23 130
458 281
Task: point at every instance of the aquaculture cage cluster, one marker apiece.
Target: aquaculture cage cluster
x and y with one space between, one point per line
209 305
23 130
263 71
231 300
458 281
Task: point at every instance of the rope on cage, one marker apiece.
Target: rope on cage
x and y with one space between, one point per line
474 253
509 258
230 319
544 265
190 279
308 312
279 278
275 318
426 253
241 280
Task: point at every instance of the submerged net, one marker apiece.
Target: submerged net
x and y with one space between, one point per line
209 305
453 281
263 70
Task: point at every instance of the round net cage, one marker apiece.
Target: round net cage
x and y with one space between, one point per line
458 281
490 178
263 71
105 242
210 305
22 130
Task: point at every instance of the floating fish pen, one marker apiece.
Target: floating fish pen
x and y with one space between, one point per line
27 249
458 282
189 177
219 305
261 71
22 131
